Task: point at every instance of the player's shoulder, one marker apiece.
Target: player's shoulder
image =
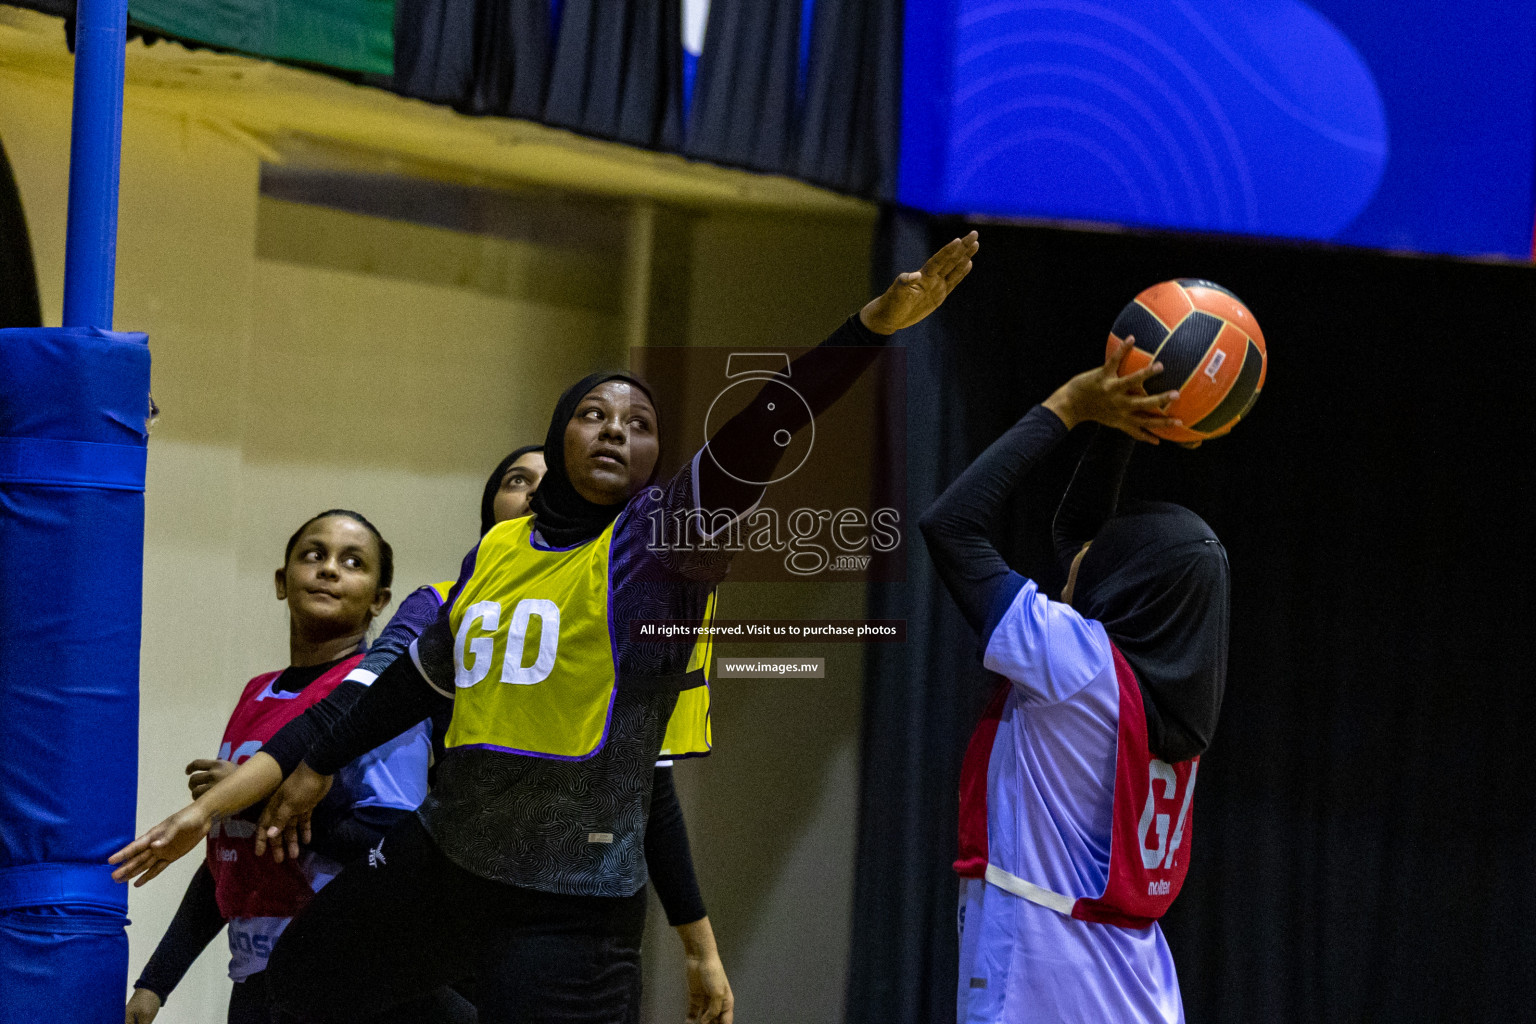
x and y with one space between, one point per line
1033 616
1047 646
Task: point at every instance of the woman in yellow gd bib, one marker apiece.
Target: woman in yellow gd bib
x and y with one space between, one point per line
526 863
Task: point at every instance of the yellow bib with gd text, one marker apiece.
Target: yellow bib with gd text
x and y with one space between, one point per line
532 656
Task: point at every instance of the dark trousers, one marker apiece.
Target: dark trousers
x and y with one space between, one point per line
250 1002
391 930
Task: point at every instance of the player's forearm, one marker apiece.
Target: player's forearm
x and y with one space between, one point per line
745 442
1094 492
668 857
196 923
252 782
396 701
958 526
698 939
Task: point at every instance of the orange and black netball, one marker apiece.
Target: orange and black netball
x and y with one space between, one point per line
1211 349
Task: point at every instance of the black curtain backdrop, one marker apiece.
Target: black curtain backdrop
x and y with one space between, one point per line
512 56
1366 819
618 71
611 70
614 71
436 47
845 134
19 305
743 110
850 128
921 699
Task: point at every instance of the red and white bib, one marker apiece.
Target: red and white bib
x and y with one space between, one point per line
1152 820
247 885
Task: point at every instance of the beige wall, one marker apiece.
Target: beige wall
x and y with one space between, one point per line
300 364
771 812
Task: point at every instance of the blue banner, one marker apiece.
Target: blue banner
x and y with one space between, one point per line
1401 126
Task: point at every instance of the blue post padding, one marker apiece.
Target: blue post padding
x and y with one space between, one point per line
49 885
95 155
32 460
72 454
46 970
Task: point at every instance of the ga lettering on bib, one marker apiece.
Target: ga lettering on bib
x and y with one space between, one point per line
535 663
1152 824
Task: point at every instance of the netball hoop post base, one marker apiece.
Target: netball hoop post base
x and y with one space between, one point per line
73 404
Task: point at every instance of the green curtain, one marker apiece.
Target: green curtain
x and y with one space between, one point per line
353 35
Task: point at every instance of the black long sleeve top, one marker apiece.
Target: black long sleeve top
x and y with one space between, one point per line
1094 491
957 527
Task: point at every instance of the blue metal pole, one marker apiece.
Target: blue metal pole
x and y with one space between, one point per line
95 154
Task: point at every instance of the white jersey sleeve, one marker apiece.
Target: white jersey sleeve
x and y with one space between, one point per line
1045 648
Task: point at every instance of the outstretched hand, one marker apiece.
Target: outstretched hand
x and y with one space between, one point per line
160 847
913 296
1102 395
285 821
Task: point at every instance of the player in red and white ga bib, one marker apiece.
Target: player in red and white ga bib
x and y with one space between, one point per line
1152 821
1074 837
256 895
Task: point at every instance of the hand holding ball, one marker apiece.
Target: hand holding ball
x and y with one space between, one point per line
1211 349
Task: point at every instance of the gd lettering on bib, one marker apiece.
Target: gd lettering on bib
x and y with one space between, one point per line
535 665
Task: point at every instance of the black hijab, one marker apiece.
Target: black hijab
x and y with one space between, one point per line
564 517
1156 577
493 486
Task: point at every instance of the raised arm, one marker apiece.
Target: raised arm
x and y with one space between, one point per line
958 526
821 376
1093 493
